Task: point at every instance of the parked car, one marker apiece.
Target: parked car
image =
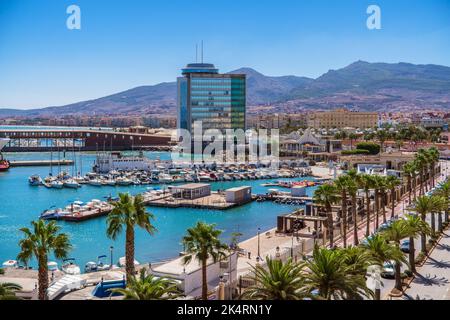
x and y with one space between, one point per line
404 246
388 270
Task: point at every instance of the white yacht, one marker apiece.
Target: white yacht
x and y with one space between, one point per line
71 183
123 181
95 182
56 184
165 178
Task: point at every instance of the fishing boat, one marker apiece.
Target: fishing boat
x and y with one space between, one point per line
35 180
69 267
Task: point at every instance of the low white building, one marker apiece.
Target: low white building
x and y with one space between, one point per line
190 275
238 194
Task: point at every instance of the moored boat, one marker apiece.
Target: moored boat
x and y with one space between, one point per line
71 183
70 267
35 180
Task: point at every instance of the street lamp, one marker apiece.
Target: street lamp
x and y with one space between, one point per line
111 256
374 280
259 246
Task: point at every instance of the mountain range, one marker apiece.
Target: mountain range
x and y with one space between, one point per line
360 85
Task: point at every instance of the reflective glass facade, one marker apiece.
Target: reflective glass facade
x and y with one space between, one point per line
218 100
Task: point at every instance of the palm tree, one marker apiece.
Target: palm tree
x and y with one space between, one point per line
380 250
433 153
352 136
424 205
327 273
367 183
416 226
43 239
395 233
444 192
377 185
342 184
279 281
8 291
202 243
382 137
129 212
421 162
440 205
326 195
408 170
382 194
392 183
353 192
149 287
357 258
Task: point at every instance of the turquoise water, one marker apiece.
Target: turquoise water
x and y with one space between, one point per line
21 203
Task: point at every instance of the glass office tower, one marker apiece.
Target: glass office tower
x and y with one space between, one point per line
217 100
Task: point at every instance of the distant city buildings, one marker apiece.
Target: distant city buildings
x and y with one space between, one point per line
276 121
432 122
342 118
217 100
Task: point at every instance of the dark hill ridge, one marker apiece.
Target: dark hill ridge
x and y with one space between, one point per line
370 86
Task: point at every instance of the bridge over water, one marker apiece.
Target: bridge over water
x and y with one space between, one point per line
81 140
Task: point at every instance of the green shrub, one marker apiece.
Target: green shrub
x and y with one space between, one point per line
355 151
371 147
2 271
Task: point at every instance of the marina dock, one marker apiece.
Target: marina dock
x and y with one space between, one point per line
214 201
41 163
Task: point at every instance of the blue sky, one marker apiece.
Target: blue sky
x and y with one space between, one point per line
124 44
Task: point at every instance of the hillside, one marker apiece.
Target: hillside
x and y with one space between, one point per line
363 85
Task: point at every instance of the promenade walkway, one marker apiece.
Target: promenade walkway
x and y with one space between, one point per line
432 281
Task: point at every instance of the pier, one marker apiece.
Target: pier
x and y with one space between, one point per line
214 201
40 140
41 163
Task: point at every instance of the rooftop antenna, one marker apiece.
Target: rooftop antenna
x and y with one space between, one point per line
196 53
202 51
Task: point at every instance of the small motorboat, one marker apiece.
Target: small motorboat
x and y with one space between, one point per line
69 267
35 180
52 266
100 265
122 262
91 266
10 264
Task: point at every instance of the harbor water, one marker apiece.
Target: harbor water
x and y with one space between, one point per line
21 203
